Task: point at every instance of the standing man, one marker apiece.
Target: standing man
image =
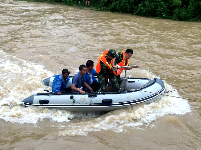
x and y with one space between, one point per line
104 69
60 82
90 82
122 59
77 82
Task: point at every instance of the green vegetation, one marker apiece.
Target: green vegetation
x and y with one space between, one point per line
183 10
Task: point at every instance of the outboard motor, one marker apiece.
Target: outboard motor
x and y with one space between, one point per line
123 84
124 80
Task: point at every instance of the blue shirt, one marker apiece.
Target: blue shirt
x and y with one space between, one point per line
78 81
93 71
87 79
59 84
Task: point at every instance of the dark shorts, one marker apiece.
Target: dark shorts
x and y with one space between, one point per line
95 86
68 90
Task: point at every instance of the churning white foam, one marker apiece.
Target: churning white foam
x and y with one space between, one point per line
136 116
20 79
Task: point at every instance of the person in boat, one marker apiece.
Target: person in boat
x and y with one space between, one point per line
60 82
77 82
122 59
104 69
90 82
94 72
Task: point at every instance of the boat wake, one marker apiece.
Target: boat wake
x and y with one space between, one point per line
20 79
139 116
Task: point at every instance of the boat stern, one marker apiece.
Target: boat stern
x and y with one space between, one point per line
46 81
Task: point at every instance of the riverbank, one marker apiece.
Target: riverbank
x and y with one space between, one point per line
180 10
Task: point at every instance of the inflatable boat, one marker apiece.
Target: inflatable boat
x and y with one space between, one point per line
133 91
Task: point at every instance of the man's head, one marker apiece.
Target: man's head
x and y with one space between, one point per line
129 53
90 64
83 69
111 54
65 73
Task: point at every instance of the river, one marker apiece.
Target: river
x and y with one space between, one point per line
38 40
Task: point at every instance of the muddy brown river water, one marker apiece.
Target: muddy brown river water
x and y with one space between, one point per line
38 40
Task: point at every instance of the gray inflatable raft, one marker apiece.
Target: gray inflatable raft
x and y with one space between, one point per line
133 91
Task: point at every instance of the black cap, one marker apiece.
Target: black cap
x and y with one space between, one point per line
65 71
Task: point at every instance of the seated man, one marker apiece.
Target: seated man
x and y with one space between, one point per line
77 82
93 71
60 82
90 82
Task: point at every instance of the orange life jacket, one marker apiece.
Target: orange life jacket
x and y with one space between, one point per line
122 63
104 60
